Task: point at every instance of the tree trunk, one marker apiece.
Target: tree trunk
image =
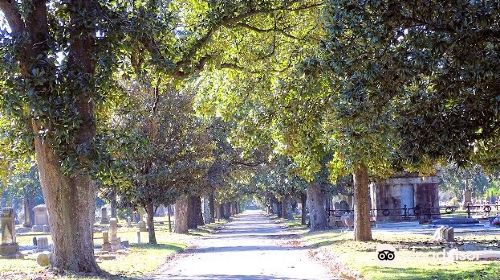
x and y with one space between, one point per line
211 205
198 212
279 208
181 215
226 214
195 217
362 227
303 201
467 197
286 208
150 211
316 207
70 203
169 212
29 202
113 204
218 211
69 197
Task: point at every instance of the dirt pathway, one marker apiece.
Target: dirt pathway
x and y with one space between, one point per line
247 248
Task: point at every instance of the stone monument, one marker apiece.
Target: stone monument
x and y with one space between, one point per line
41 219
8 247
114 239
142 224
106 246
444 234
42 243
104 215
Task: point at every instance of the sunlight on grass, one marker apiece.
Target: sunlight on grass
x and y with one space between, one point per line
416 258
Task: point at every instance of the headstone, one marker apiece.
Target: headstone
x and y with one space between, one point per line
8 247
41 223
42 243
106 246
142 224
114 239
444 234
104 215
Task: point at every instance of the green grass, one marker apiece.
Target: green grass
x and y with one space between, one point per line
416 258
143 259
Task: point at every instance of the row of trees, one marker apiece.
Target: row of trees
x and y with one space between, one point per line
100 92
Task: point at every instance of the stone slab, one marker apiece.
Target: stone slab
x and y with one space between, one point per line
454 221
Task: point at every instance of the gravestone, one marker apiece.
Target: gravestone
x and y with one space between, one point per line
8 247
104 215
114 239
444 234
42 243
142 224
41 219
106 246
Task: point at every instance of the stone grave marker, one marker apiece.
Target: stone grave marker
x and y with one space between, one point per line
114 239
41 219
104 215
106 246
42 243
8 247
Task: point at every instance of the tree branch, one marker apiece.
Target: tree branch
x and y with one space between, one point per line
11 12
228 22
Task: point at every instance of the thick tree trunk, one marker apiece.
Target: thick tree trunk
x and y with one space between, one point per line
181 215
198 212
226 214
150 211
70 203
286 208
195 217
316 207
69 197
218 211
211 206
279 209
303 201
362 227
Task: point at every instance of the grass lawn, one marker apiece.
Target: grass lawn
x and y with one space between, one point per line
415 258
143 259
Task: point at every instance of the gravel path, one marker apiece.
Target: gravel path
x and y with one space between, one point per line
247 248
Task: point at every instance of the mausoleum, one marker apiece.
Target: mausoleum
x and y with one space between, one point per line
420 195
